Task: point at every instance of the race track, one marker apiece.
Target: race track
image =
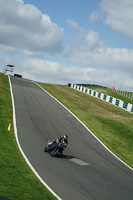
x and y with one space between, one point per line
86 171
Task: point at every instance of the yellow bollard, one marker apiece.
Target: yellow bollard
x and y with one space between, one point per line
9 127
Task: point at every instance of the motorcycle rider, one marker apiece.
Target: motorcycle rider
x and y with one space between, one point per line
63 138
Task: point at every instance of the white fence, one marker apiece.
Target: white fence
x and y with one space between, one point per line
117 102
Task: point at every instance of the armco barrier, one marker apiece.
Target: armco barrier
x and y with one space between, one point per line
117 102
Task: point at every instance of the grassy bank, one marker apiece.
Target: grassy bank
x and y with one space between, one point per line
17 181
112 125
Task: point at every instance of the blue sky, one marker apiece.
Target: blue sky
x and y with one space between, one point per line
59 41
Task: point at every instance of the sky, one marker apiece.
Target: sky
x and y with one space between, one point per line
69 41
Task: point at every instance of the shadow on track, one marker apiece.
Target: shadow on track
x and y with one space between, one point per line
63 156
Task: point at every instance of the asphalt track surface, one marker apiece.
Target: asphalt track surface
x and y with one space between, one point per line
39 117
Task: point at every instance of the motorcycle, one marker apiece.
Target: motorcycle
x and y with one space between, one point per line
54 148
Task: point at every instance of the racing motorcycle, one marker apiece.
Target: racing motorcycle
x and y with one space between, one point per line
54 148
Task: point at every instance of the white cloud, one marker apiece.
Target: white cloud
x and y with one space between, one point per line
74 25
105 57
95 16
118 15
24 26
56 73
33 53
50 72
106 64
93 53
45 71
78 33
92 40
7 49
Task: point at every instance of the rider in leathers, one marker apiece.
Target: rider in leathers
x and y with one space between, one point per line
63 138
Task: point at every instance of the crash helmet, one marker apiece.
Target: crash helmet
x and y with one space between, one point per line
65 138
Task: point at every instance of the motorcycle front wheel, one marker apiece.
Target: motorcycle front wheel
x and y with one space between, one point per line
46 149
54 152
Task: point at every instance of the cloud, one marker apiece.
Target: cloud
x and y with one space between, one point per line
49 72
53 72
33 53
94 53
105 57
78 33
46 71
75 25
92 40
105 64
95 16
24 26
7 49
118 15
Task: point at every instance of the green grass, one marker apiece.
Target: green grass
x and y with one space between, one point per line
112 125
17 181
111 93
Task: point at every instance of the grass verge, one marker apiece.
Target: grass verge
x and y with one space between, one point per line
112 125
17 181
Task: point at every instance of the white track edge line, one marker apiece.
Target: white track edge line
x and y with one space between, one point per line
86 127
16 136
